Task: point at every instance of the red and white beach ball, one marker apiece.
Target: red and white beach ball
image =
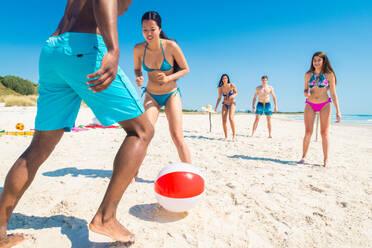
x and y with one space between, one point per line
179 187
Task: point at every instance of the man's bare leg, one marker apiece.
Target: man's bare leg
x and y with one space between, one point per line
268 117
255 124
11 240
21 176
126 164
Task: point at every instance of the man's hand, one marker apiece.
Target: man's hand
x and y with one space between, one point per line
106 74
276 109
253 109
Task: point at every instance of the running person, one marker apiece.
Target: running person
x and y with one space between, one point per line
165 63
263 93
84 46
318 80
229 92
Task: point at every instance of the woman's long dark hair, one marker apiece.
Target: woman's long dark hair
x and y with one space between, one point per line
327 67
220 83
154 16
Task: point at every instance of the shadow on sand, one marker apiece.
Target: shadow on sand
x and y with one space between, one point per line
75 229
202 137
141 180
286 162
155 213
74 172
89 173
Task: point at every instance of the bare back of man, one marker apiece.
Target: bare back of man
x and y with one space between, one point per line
80 17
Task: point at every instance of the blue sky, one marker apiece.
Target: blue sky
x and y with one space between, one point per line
244 39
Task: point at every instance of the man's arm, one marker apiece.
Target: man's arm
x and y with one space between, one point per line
254 101
274 99
60 25
106 14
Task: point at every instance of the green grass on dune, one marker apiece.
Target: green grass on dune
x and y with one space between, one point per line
4 91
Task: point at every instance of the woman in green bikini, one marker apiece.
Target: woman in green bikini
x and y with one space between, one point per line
319 79
165 63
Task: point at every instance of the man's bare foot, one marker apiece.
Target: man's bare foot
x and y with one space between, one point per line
134 180
325 163
135 177
11 240
270 137
225 139
234 138
112 229
302 161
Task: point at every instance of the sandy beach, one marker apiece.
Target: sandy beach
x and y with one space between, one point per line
256 194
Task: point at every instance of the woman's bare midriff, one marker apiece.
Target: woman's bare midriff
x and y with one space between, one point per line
157 88
227 100
318 95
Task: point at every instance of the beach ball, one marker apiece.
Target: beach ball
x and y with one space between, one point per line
20 126
179 187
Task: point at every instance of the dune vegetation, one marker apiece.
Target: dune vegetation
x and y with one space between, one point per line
16 91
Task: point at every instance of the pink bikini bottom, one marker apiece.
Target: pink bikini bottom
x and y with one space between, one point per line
318 106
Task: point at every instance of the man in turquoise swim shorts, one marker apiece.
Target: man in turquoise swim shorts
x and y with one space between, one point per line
263 93
80 62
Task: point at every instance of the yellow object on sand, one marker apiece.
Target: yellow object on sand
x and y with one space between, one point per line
20 126
16 133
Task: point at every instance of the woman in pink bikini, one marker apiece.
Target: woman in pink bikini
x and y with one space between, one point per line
318 80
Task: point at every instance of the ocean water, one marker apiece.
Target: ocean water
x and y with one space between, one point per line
356 119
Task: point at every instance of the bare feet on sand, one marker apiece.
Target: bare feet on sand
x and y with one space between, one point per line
325 163
302 161
112 229
134 180
11 240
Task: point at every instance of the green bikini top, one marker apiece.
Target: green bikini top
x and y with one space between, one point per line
320 81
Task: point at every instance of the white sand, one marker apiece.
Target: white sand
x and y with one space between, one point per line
256 194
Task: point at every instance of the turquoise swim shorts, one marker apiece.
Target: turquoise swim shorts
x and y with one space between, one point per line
65 61
263 108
